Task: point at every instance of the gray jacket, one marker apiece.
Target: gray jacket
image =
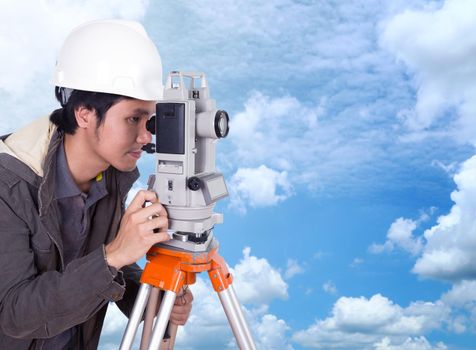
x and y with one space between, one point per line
39 296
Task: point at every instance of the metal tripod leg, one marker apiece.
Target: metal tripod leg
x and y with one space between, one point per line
162 319
136 316
149 318
237 321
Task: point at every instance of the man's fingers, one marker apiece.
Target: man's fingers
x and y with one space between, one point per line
160 222
183 306
188 296
159 237
143 214
185 298
180 321
141 197
180 314
181 310
180 301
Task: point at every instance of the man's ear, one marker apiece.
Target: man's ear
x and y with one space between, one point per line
85 117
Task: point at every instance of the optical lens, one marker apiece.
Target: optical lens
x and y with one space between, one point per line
221 124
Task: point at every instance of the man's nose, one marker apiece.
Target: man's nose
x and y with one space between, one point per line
144 136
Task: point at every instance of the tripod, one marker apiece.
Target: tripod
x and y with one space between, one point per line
170 269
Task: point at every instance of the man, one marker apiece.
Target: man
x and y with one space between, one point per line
67 245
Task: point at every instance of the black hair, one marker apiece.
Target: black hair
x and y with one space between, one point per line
100 102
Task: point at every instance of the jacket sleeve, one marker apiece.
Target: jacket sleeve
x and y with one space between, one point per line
34 305
131 274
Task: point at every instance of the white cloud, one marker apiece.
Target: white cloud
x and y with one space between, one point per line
450 252
269 121
281 145
401 235
462 299
256 281
329 287
361 314
380 248
258 187
285 135
461 294
416 343
361 322
438 46
459 324
428 315
356 262
272 333
293 268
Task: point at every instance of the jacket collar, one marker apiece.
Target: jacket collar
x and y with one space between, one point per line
30 144
35 145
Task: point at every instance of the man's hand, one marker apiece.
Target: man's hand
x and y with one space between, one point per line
182 308
136 232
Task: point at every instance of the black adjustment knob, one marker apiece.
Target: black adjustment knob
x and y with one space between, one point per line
149 148
194 183
150 125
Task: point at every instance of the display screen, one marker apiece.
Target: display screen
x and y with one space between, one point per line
170 128
216 188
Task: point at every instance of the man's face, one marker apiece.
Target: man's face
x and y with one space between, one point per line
119 139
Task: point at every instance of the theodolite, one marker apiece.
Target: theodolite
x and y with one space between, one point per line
186 126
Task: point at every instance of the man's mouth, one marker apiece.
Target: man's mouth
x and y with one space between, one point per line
135 154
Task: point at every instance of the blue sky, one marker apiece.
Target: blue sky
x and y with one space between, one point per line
351 220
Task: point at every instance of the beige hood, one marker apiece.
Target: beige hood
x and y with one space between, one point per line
30 143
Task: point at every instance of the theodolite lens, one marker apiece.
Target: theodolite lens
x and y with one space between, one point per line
222 124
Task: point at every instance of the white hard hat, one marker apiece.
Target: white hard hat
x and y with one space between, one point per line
111 56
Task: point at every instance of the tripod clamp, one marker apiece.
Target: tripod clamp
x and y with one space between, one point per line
170 269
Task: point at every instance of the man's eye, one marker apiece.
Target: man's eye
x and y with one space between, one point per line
134 120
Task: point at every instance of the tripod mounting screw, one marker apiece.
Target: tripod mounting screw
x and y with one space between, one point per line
194 183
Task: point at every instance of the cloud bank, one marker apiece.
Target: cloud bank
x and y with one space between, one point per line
444 73
374 323
437 46
450 252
